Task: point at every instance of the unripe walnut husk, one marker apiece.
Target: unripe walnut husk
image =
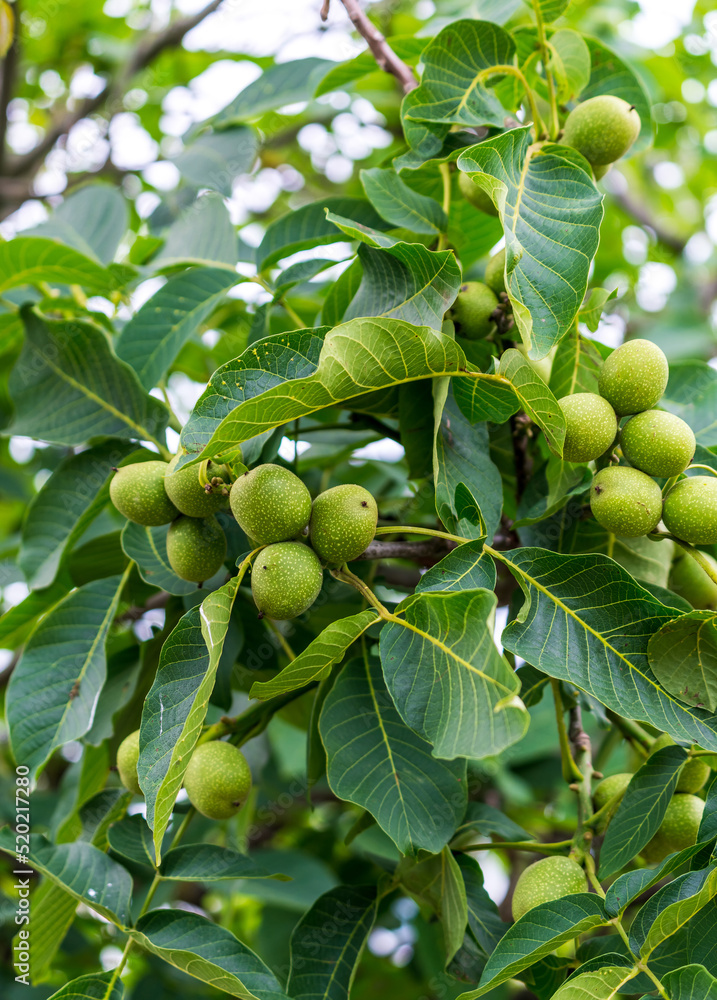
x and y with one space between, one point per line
473 309
196 548
689 580
343 523
138 492
546 880
127 757
187 493
591 426
625 501
602 128
286 579
658 443
475 195
694 773
690 510
217 780
270 504
678 830
495 272
634 377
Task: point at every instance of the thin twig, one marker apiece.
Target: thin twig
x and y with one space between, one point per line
641 214
7 80
382 51
424 553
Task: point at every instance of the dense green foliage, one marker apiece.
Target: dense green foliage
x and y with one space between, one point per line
478 761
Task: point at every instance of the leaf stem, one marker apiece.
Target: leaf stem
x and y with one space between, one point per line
446 178
542 41
404 529
532 846
514 71
283 642
571 772
669 484
699 465
345 574
280 300
633 731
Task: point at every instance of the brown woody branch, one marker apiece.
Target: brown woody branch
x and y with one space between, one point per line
642 215
382 51
425 553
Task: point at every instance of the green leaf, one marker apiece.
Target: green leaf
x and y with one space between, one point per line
438 881
677 914
154 336
327 943
626 888
691 394
315 662
280 84
147 547
539 932
216 158
461 458
93 393
209 863
576 366
363 355
66 504
691 982
571 627
683 657
598 984
95 986
93 220
483 919
551 486
550 10
376 762
80 869
570 62
208 952
484 821
592 309
176 706
467 567
29 260
401 205
535 397
610 75
53 690
203 234
308 227
452 90
131 838
642 809
551 213
17 624
448 680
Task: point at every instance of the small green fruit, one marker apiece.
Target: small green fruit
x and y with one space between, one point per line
600 171
658 443
343 523
196 548
690 511
217 780
127 757
694 773
187 493
602 128
678 830
285 580
689 580
270 504
634 377
138 492
475 195
543 881
609 787
591 426
495 272
472 310
625 501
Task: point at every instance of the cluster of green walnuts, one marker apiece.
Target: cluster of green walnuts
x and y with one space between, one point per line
555 877
296 537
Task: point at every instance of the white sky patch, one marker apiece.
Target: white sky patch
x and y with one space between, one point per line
385 450
288 448
658 23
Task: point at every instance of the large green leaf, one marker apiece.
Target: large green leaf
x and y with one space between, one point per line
627 887
216 158
203 234
609 74
642 809
535 398
691 982
570 62
448 680
438 881
80 869
53 691
176 706
93 220
208 952
467 567
315 662
29 260
576 366
574 627
452 88
551 213
375 761
148 548
209 863
95 986
327 942
483 918
282 83
68 502
153 337
17 624
691 394
396 202
683 657
539 932
92 393
677 914
604 983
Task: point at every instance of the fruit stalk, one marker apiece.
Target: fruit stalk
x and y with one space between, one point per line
571 772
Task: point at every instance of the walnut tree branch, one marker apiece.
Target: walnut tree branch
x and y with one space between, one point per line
382 51
425 553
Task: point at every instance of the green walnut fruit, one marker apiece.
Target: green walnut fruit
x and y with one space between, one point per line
658 443
609 787
591 426
270 504
689 580
127 757
475 195
694 773
285 580
217 780
625 501
196 548
690 511
543 881
189 496
602 128
495 272
678 830
138 492
472 310
633 378
343 523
